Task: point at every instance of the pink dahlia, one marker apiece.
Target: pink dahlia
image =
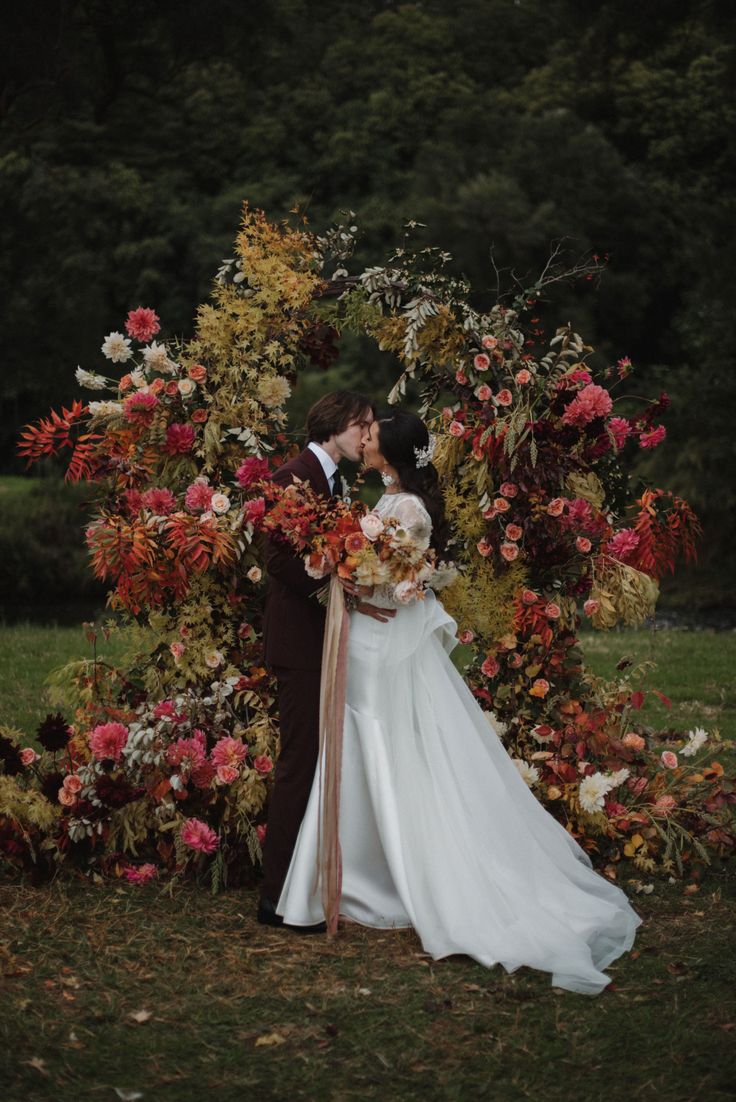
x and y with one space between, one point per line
579 513
160 502
254 510
139 407
592 401
579 375
652 438
203 775
142 324
133 502
142 874
251 470
197 835
179 439
623 544
107 740
620 430
198 497
187 754
229 751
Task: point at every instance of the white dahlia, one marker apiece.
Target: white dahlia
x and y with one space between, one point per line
593 791
696 739
117 348
156 357
273 391
89 380
528 773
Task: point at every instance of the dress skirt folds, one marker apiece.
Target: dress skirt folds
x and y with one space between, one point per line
438 830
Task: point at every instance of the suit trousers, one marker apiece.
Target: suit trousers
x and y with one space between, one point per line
298 701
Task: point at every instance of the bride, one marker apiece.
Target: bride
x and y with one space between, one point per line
437 829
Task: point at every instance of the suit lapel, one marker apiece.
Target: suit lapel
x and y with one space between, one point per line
316 472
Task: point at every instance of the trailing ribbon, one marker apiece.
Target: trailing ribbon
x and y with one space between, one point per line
333 685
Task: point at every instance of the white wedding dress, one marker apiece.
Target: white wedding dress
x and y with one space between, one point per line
438 830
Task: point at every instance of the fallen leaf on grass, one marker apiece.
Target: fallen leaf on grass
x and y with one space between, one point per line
270 1039
140 1015
39 1064
127 1095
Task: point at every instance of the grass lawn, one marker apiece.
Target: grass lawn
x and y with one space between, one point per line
187 998
116 991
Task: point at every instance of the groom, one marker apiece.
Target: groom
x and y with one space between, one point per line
293 632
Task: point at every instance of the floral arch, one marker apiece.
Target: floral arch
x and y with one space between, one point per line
167 760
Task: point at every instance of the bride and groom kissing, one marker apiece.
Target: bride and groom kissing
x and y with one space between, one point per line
437 830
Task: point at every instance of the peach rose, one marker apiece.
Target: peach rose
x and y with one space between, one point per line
509 489
29 755
591 606
72 783
177 649
461 377
484 548
226 774
197 372
556 507
540 688
522 377
513 532
466 637
583 544
490 667
501 505
456 428
199 416
371 526
552 611
156 386
669 759
263 764
509 551
172 388
634 742
528 597
254 574
481 362
67 798
483 392
489 342
125 383
447 413
515 660
504 397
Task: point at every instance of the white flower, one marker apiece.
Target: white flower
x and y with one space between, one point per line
220 503
406 591
696 739
117 348
104 409
371 526
528 773
138 379
157 358
91 381
187 387
273 391
618 777
214 659
593 791
371 571
254 574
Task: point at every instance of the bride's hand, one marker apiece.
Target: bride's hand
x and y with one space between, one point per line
383 615
356 590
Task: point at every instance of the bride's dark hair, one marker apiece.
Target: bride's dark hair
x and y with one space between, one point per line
399 434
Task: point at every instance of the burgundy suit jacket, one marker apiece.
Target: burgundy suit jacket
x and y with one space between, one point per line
294 620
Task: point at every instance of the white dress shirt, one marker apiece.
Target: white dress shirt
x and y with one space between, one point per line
328 464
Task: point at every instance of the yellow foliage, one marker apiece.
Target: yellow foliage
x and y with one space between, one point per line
587 486
26 806
623 593
483 601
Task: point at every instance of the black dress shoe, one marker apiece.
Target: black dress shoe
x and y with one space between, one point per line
267 916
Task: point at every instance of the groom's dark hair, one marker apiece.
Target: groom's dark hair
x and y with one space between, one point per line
334 412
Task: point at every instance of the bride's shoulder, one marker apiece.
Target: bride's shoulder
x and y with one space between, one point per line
405 505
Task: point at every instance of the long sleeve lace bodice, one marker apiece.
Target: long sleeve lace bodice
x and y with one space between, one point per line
410 512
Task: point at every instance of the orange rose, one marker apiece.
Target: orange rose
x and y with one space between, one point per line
197 372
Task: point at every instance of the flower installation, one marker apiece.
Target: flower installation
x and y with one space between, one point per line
162 765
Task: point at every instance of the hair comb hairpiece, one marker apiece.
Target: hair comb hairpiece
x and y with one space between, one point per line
424 455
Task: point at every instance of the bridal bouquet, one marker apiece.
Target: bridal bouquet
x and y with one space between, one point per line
353 542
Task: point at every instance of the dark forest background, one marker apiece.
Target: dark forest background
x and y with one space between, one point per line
131 131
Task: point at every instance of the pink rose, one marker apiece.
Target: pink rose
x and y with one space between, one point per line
142 874
29 755
197 835
669 759
263 764
226 774
371 526
504 397
528 597
177 650
456 429
522 377
514 532
632 741
552 611
461 377
556 507
483 392
583 544
107 740
490 667
540 688
489 342
142 324
501 505
484 547
509 489
481 362
447 413
197 372
509 551
67 798
72 783
591 606
466 637
172 388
